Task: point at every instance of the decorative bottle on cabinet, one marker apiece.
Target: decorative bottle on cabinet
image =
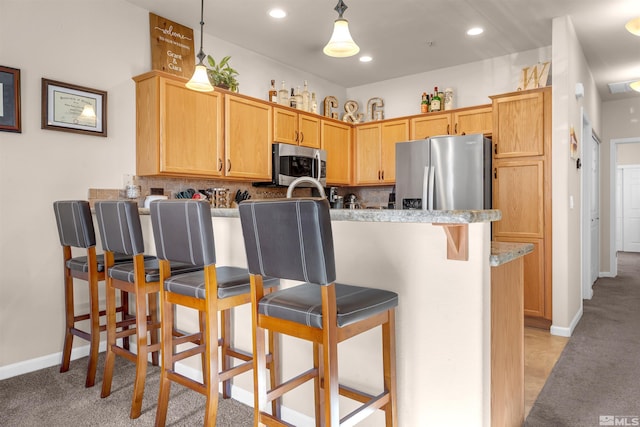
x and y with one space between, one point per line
283 95
436 101
424 105
448 99
273 93
314 103
306 101
298 97
292 99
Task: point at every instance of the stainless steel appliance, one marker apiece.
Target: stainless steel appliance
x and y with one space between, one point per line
444 173
292 161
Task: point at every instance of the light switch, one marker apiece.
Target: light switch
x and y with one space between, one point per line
570 202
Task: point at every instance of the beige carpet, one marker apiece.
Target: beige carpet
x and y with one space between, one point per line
49 398
598 373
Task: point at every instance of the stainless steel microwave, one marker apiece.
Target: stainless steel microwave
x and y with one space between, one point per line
292 161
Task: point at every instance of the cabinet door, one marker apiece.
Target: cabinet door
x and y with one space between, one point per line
430 125
368 154
309 131
190 130
477 120
247 138
285 126
336 140
519 125
391 133
518 191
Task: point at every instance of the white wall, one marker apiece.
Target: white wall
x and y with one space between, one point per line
472 83
569 68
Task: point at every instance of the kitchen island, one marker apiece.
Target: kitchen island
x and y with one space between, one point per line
443 321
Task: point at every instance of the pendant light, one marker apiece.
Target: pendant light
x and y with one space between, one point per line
633 26
200 79
341 45
635 85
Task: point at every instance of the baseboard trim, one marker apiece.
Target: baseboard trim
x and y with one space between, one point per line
567 331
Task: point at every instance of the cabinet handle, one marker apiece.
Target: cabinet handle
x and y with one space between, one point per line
495 148
382 176
448 133
296 136
219 164
378 175
455 130
301 137
495 173
228 165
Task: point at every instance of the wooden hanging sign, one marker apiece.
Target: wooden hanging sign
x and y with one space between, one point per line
172 48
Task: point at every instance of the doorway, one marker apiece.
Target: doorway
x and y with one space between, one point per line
590 212
630 207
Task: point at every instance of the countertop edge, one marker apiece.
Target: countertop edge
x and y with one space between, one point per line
504 252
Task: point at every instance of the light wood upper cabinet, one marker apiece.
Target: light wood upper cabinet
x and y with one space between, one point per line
179 131
473 120
336 140
463 121
529 111
247 138
376 151
431 124
291 127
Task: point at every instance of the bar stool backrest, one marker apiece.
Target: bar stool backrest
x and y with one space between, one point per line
183 231
289 239
119 225
75 225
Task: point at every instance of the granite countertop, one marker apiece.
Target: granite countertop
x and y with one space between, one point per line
390 215
504 252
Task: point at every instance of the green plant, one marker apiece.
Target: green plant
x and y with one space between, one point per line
221 73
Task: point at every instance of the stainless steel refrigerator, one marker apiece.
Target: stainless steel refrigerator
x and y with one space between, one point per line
444 173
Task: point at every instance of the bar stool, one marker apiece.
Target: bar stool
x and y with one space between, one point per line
183 232
121 232
292 239
75 229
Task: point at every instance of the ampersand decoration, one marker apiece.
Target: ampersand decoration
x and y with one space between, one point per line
374 109
351 114
329 102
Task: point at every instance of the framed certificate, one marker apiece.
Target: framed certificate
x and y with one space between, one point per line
10 99
72 108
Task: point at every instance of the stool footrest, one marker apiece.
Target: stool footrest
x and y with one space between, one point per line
289 385
176 357
365 410
236 370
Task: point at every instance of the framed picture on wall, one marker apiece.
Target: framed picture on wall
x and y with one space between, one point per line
71 108
10 96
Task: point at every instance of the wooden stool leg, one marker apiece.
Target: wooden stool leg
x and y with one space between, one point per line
389 368
69 315
330 356
225 338
111 339
210 369
152 301
317 384
166 314
124 304
141 358
94 309
274 371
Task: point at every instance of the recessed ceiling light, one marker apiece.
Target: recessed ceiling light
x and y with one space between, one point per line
366 58
277 13
475 31
633 26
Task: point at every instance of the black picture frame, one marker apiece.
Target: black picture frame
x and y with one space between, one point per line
71 108
10 117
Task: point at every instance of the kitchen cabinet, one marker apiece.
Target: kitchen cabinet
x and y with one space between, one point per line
462 121
292 127
247 138
335 138
376 151
522 190
179 131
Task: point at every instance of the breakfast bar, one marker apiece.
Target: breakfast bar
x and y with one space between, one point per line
443 320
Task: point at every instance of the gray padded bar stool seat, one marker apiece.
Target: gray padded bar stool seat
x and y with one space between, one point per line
75 230
183 233
121 232
292 239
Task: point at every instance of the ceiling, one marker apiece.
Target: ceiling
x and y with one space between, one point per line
412 36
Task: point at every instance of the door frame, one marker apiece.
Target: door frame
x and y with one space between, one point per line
587 138
613 165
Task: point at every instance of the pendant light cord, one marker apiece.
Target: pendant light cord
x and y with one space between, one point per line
201 53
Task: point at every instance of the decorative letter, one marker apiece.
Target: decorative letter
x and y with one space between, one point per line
330 101
351 114
374 109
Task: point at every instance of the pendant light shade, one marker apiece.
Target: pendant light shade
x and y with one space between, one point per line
633 26
341 44
200 79
635 85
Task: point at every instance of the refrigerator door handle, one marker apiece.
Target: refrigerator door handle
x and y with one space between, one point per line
425 187
432 178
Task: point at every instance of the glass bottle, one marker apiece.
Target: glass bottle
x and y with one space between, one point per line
306 101
273 93
292 99
283 95
424 105
314 103
298 97
448 99
436 101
